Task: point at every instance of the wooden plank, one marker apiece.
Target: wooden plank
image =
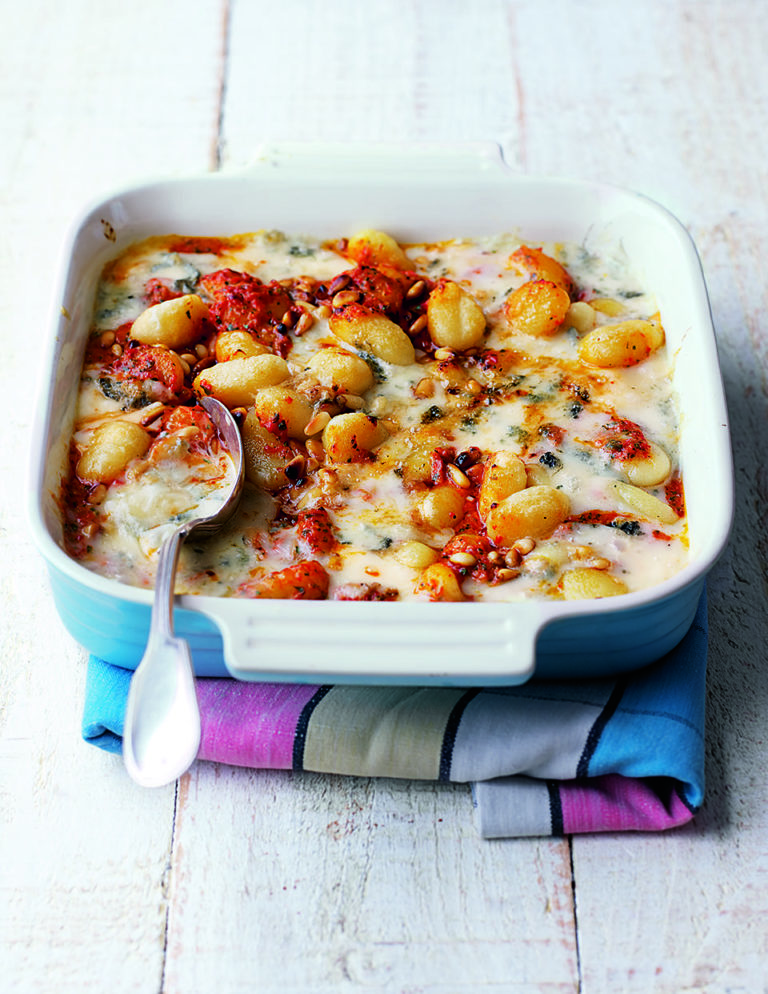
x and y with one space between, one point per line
329 884
98 98
307 883
687 912
341 882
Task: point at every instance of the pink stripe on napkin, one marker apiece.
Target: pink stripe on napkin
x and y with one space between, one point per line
614 803
250 724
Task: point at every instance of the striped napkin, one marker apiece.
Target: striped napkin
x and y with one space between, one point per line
546 758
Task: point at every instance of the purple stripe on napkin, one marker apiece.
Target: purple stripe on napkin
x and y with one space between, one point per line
614 803
250 724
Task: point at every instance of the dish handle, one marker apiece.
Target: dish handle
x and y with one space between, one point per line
380 158
360 642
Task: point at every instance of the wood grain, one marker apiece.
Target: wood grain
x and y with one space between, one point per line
379 884
280 882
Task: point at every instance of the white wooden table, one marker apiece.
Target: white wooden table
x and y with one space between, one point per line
239 881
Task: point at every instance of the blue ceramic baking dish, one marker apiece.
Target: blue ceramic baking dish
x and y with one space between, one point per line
432 192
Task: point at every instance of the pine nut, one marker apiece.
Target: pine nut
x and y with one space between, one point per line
317 423
459 478
418 325
287 319
599 563
295 468
506 574
345 297
425 387
463 559
443 354
340 282
150 412
415 290
117 349
304 323
512 558
352 401
188 431
106 339
189 359
315 449
524 546
494 557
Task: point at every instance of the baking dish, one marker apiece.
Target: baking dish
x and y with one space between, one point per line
430 192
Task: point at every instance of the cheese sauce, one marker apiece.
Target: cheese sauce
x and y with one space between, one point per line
403 516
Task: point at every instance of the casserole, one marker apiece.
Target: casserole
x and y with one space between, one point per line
430 193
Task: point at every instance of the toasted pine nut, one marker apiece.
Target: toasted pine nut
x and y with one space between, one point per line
418 325
150 412
494 556
340 282
600 563
512 558
188 431
315 448
473 387
317 423
443 354
98 494
107 338
524 546
323 311
459 478
117 349
463 559
415 290
507 574
201 351
352 401
287 319
345 297
189 359
425 387
304 323
294 470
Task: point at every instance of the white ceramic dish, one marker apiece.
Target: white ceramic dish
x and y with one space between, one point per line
418 193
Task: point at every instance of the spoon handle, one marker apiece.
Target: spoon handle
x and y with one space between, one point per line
161 735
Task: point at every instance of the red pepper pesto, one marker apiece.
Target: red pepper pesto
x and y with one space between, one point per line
328 517
622 439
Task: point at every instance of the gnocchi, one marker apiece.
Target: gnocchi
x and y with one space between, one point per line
458 421
537 308
172 323
236 383
373 333
110 449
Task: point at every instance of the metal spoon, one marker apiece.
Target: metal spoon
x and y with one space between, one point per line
162 721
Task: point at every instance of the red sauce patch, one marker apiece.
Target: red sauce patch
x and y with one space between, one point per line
148 362
622 439
675 495
314 532
239 301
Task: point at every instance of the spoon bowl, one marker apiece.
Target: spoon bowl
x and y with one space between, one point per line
161 734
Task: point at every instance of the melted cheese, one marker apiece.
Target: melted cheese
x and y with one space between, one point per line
514 392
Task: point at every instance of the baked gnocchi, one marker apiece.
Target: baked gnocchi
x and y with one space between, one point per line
466 420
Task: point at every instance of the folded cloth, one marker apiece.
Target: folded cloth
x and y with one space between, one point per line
545 758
